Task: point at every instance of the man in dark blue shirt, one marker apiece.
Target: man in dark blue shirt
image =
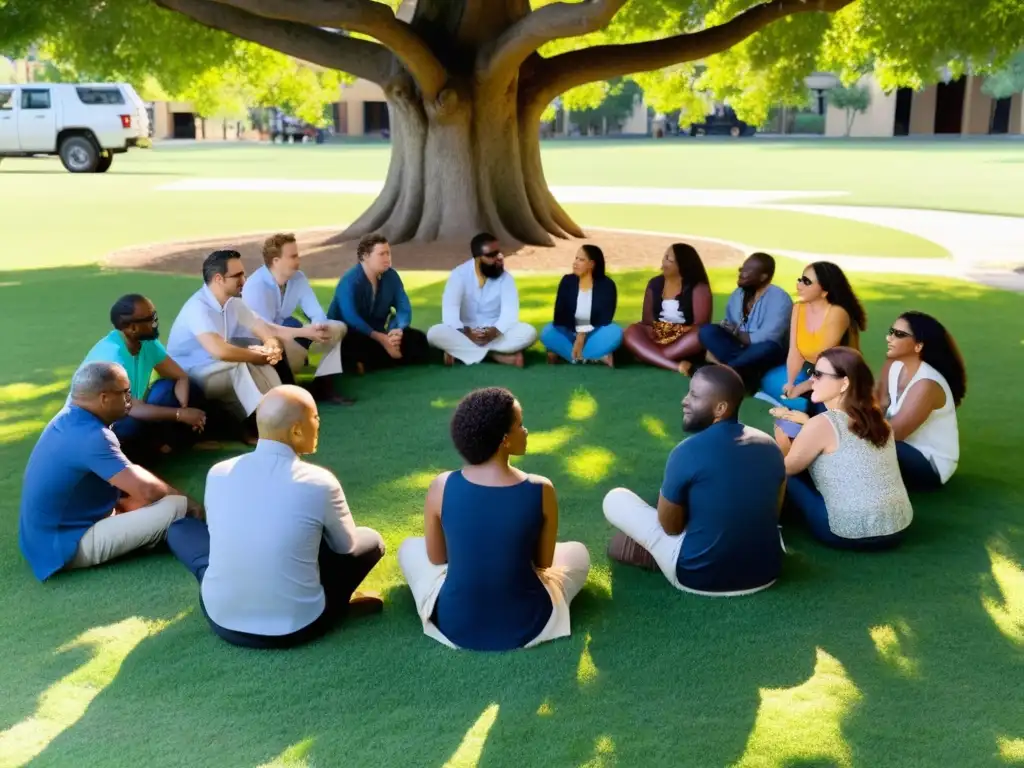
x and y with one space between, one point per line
371 300
715 531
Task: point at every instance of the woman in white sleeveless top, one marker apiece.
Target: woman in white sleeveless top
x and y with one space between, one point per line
844 477
922 384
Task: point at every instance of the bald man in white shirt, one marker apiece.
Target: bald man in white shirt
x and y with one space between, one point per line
279 557
480 311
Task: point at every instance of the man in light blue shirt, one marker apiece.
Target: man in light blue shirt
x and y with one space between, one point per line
279 288
166 416
480 310
279 557
754 337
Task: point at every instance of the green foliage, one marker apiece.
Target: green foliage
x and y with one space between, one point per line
1006 81
853 99
617 106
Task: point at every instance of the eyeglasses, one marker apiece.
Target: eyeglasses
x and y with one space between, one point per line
125 393
816 375
147 319
805 280
896 333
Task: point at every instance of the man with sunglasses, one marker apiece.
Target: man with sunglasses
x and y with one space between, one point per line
233 355
480 310
166 416
82 501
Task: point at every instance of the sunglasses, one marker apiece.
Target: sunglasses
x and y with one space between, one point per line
147 319
817 375
896 333
805 280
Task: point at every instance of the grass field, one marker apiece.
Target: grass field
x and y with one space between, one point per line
910 658
124 207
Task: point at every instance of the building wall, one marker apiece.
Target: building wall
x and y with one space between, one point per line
1017 114
876 121
922 112
351 97
636 123
977 118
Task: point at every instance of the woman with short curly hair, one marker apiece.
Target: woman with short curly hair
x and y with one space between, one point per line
488 574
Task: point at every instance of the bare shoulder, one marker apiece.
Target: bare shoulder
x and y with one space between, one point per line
541 480
438 483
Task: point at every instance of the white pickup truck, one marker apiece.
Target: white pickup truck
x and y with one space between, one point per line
86 124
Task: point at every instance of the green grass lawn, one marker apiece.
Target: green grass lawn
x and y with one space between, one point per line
89 216
909 658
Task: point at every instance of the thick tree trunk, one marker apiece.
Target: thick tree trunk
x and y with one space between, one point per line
468 163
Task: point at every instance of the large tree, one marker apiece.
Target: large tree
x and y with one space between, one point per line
468 80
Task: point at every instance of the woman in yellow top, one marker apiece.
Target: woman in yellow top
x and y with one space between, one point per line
828 314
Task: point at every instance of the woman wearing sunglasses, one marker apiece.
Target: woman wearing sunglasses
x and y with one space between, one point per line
844 476
828 314
921 385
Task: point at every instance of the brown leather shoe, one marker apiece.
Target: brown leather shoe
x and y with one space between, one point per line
625 550
364 604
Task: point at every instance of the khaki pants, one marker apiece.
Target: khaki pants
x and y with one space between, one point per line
459 346
120 534
240 386
330 362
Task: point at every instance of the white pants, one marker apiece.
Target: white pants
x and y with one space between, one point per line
563 581
125 532
240 386
459 346
639 520
330 362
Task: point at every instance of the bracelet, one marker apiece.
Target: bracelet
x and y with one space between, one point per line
177 415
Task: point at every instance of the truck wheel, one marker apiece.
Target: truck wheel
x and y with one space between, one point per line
79 154
104 164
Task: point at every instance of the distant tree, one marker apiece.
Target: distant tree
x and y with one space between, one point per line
1006 81
854 99
616 108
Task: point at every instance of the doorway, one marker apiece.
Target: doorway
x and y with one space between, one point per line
1001 115
949 106
904 103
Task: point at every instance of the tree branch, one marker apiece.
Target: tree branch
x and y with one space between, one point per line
365 17
361 58
551 22
568 70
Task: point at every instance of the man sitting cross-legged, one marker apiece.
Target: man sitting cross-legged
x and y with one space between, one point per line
274 292
480 310
169 414
372 301
715 531
279 557
82 502
212 339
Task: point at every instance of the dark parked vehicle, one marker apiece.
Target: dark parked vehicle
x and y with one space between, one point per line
722 122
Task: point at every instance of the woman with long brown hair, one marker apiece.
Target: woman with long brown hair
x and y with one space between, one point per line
676 304
844 476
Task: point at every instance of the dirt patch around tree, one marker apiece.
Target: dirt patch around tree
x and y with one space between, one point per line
323 259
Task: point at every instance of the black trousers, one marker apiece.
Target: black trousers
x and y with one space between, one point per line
340 575
357 347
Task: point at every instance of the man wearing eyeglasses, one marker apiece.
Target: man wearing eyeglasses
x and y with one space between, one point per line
480 311
166 416
82 501
232 354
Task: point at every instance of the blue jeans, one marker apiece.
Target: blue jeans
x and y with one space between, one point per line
750 361
804 497
140 439
918 473
773 381
600 341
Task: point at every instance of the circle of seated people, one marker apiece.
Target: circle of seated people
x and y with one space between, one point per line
274 546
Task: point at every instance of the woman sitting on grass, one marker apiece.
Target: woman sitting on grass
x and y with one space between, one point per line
488 575
827 315
844 477
677 302
583 330
921 385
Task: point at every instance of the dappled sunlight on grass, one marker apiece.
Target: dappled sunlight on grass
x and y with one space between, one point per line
66 701
604 753
803 724
889 641
441 402
600 579
546 708
417 481
293 757
550 441
591 464
472 746
582 405
23 392
1007 612
19 430
586 670
654 426
1011 750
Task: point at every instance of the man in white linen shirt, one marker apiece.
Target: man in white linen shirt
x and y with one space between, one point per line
274 292
279 557
480 310
222 345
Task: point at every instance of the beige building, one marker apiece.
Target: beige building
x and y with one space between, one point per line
956 107
361 110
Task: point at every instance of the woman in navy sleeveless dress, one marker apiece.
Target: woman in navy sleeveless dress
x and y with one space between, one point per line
488 575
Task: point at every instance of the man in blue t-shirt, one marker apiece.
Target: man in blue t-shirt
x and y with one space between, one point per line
715 530
82 502
166 416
